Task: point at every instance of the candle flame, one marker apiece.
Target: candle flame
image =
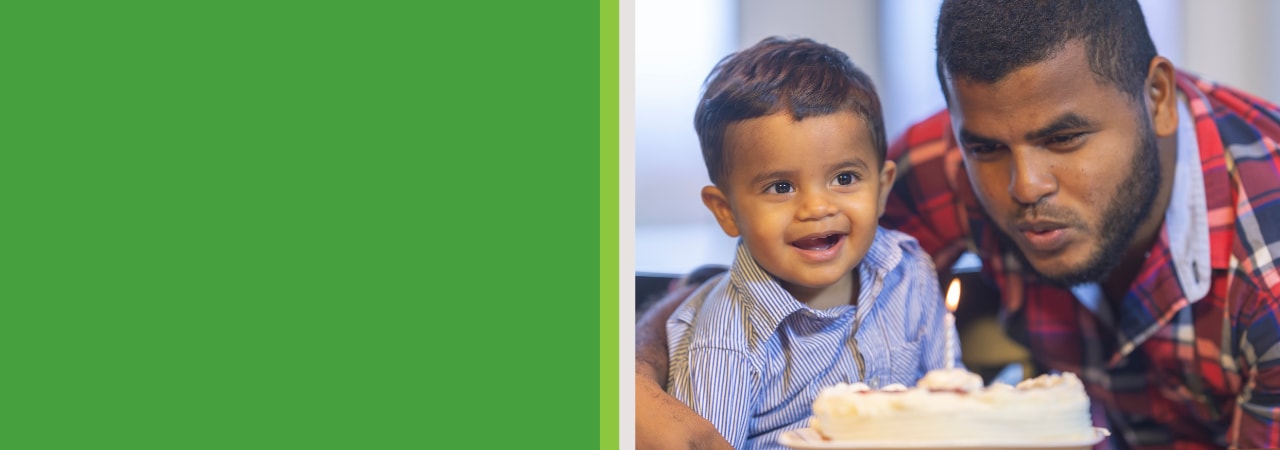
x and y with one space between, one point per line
953 295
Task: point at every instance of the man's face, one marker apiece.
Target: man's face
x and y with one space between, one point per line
805 196
1064 163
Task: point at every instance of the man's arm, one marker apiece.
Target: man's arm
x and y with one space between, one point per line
651 326
662 422
651 336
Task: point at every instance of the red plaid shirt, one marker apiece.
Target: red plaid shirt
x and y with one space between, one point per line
1173 373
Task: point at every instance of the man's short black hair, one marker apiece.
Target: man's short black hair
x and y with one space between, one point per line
800 76
985 40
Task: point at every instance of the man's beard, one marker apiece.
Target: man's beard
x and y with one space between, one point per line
1128 208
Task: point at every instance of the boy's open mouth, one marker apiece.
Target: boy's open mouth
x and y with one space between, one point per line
820 242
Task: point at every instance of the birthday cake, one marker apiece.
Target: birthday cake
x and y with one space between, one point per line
952 406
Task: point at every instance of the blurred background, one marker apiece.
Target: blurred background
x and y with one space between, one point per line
678 42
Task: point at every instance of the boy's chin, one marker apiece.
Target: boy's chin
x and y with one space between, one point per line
815 283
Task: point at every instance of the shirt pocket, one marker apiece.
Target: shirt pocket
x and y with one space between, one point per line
904 363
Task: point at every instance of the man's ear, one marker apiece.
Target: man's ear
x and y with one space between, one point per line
718 204
888 174
1161 96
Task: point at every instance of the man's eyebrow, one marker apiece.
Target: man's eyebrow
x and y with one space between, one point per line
1068 121
967 137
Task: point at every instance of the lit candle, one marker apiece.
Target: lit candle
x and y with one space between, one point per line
953 301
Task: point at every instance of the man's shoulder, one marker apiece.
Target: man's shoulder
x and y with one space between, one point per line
929 172
1241 119
1250 138
934 129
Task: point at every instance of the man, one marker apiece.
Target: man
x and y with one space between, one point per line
1128 213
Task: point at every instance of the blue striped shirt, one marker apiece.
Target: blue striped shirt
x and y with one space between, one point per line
750 358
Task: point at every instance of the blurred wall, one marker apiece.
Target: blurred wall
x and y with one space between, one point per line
1236 42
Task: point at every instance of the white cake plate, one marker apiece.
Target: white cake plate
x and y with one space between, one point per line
809 439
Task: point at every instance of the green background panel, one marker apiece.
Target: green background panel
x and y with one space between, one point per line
300 225
609 226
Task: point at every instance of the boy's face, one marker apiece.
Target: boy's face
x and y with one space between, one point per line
805 196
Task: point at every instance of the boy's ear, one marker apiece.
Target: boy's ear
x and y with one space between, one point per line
1161 97
718 204
888 173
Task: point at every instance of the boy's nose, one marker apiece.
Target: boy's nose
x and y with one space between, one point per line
815 206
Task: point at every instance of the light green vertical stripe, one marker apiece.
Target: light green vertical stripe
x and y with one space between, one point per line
609 224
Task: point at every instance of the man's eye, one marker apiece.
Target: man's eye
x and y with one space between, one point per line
781 187
846 178
981 149
1064 139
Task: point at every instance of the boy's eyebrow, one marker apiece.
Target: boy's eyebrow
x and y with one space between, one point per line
770 175
857 163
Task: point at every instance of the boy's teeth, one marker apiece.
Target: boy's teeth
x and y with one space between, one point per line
818 243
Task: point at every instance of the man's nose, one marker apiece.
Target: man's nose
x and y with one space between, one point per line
1032 177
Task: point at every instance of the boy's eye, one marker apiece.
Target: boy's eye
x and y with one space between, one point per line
846 178
781 187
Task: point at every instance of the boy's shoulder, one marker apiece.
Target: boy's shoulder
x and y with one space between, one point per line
709 304
711 310
894 250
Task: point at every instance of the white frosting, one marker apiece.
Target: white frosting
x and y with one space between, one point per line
895 387
947 406
951 379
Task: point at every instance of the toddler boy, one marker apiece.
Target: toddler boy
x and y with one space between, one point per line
793 139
